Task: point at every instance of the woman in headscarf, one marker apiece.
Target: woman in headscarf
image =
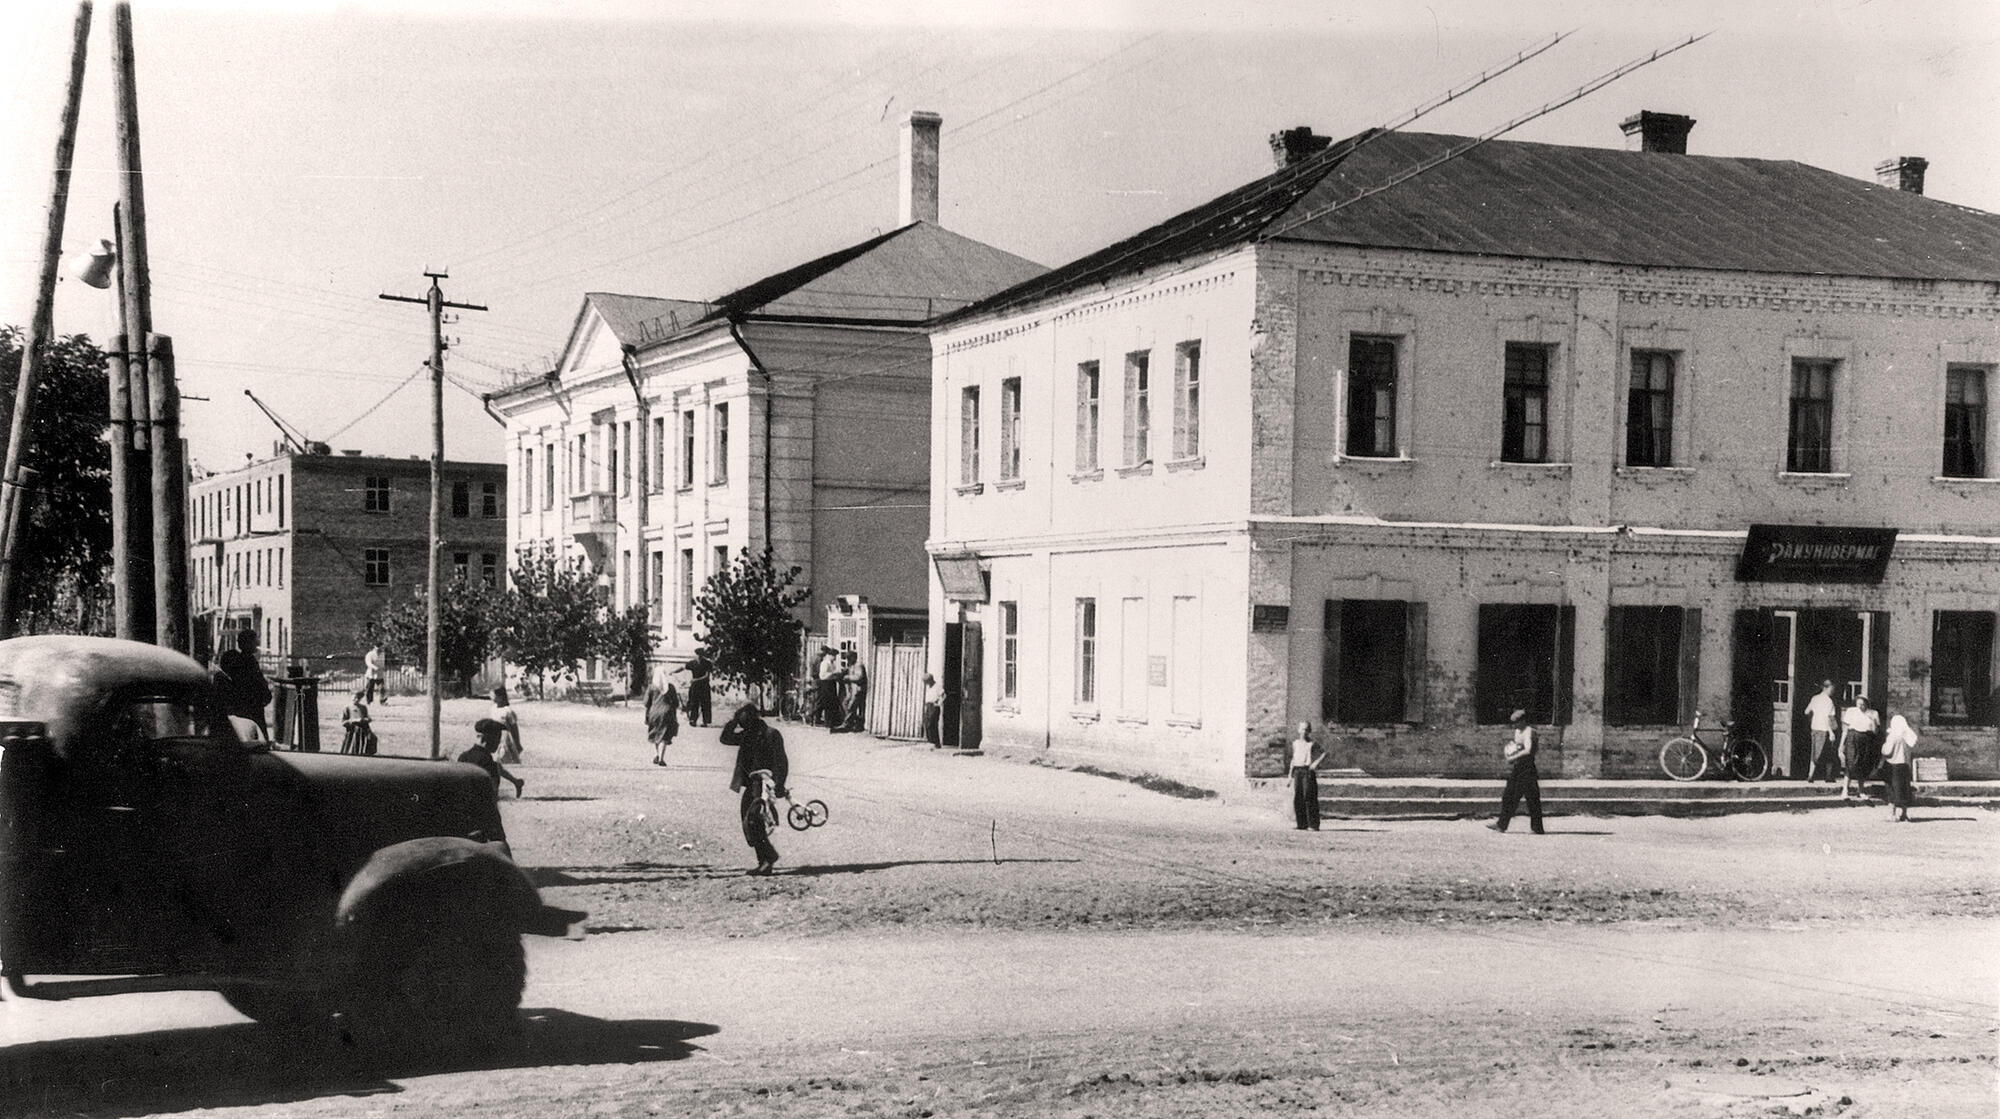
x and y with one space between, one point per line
1897 750
510 727
663 720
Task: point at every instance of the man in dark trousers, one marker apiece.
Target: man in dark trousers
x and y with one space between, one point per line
698 699
1522 780
759 746
240 683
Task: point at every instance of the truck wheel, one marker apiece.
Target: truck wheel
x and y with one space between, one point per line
284 1009
420 989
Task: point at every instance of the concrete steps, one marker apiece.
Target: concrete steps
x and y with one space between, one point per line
1445 798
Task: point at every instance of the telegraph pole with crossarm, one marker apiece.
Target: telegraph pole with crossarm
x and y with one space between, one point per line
435 300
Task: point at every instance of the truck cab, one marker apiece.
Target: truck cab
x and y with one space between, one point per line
145 847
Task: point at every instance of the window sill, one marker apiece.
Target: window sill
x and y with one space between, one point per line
1529 467
1180 465
970 489
1188 721
1372 464
1131 718
1086 476
1814 480
1137 470
1655 473
717 483
685 487
1955 480
1084 714
1010 485
1007 708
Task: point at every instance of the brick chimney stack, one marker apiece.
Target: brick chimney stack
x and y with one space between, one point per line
1904 173
918 185
1657 132
1294 144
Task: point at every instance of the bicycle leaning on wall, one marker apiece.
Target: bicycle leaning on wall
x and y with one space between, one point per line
1738 756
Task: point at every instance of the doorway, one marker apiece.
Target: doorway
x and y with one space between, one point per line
1782 654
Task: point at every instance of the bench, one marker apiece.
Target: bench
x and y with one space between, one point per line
596 691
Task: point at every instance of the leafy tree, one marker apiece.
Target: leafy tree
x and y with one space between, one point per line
469 619
552 616
626 639
64 577
752 634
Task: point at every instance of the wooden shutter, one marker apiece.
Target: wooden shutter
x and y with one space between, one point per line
1878 662
1414 661
1690 681
1749 682
1565 668
1488 704
1329 661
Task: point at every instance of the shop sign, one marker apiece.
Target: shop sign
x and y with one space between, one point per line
961 578
1815 554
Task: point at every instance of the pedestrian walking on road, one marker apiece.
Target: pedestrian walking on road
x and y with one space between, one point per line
698 697
1860 746
1522 779
510 727
759 747
1825 753
371 670
1898 753
480 753
933 710
1305 779
662 714
355 737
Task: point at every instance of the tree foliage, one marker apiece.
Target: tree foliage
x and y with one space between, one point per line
470 616
553 616
626 640
752 633
64 575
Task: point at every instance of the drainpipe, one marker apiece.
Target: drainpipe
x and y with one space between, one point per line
769 390
486 402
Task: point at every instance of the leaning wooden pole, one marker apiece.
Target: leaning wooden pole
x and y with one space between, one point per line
170 541
137 613
14 498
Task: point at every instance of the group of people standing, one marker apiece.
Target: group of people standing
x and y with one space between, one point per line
1852 743
840 701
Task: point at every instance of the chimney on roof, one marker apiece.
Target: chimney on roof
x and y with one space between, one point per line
918 186
1295 144
1657 132
1904 173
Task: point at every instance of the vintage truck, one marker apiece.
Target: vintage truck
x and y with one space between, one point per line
145 847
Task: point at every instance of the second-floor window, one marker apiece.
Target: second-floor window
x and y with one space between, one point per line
489 499
1809 445
718 445
1086 416
658 478
687 448
968 435
548 475
1138 407
527 496
1010 428
375 495
1964 421
1524 419
1187 400
1649 410
461 499
1371 397
375 566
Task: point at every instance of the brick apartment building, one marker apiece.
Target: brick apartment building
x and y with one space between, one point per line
307 549
1413 432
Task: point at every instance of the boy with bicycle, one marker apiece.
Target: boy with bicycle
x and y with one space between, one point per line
760 758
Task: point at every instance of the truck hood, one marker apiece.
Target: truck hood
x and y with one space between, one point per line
362 804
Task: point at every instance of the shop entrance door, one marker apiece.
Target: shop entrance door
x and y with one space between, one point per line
1782 655
1784 638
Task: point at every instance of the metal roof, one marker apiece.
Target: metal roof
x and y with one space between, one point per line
909 274
1551 202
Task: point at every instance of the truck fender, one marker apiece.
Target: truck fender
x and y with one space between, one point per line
409 880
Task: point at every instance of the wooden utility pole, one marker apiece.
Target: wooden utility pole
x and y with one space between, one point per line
133 577
435 301
170 538
14 498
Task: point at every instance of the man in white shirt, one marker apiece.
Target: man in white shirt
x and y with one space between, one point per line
371 665
1824 757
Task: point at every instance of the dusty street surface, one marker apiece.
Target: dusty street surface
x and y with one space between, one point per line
982 937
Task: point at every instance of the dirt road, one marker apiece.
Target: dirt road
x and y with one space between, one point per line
977 937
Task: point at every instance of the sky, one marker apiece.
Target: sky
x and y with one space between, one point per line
301 158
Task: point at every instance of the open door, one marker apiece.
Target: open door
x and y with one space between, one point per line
954 640
970 667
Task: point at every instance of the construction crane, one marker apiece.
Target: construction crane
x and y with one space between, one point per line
294 439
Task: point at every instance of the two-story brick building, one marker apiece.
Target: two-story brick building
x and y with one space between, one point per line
307 549
792 412
1416 431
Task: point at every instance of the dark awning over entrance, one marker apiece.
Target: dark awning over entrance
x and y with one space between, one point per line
1815 554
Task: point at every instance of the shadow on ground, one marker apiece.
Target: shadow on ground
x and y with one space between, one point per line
862 868
248 1066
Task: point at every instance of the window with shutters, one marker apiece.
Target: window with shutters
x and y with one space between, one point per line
1372 665
1962 667
1644 648
1525 661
